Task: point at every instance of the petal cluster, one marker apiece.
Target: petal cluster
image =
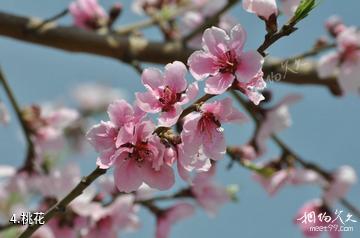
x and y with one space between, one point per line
224 63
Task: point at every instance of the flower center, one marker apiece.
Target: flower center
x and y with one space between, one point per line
168 98
208 123
228 63
141 152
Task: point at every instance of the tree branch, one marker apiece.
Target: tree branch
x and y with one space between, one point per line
125 48
28 164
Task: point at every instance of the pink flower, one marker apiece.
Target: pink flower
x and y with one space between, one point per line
247 152
276 119
140 159
48 127
58 182
166 92
311 210
273 183
202 130
252 88
289 7
119 215
262 8
171 216
188 162
208 193
223 61
104 135
345 62
129 143
343 178
4 114
334 25
88 14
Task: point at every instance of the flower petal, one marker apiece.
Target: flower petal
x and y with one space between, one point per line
202 65
175 76
219 83
162 179
249 66
215 40
152 78
148 102
127 176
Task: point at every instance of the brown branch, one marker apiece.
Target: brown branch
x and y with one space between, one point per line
123 48
28 163
155 19
61 205
74 39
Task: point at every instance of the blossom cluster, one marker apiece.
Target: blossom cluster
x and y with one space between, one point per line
143 152
344 62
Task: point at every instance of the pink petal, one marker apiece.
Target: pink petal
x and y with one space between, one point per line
249 66
237 37
349 78
327 65
263 8
106 159
202 65
215 40
120 112
175 76
170 118
101 136
144 130
190 94
219 83
152 78
215 147
190 137
148 102
275 182
128 176
162 179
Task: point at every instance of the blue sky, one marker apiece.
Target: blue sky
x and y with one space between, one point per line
326 129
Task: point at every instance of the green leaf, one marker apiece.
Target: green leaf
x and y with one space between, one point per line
303 10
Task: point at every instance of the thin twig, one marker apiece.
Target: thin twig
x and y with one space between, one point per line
313 52
271 38
156 19
61 205
53 18
28 164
